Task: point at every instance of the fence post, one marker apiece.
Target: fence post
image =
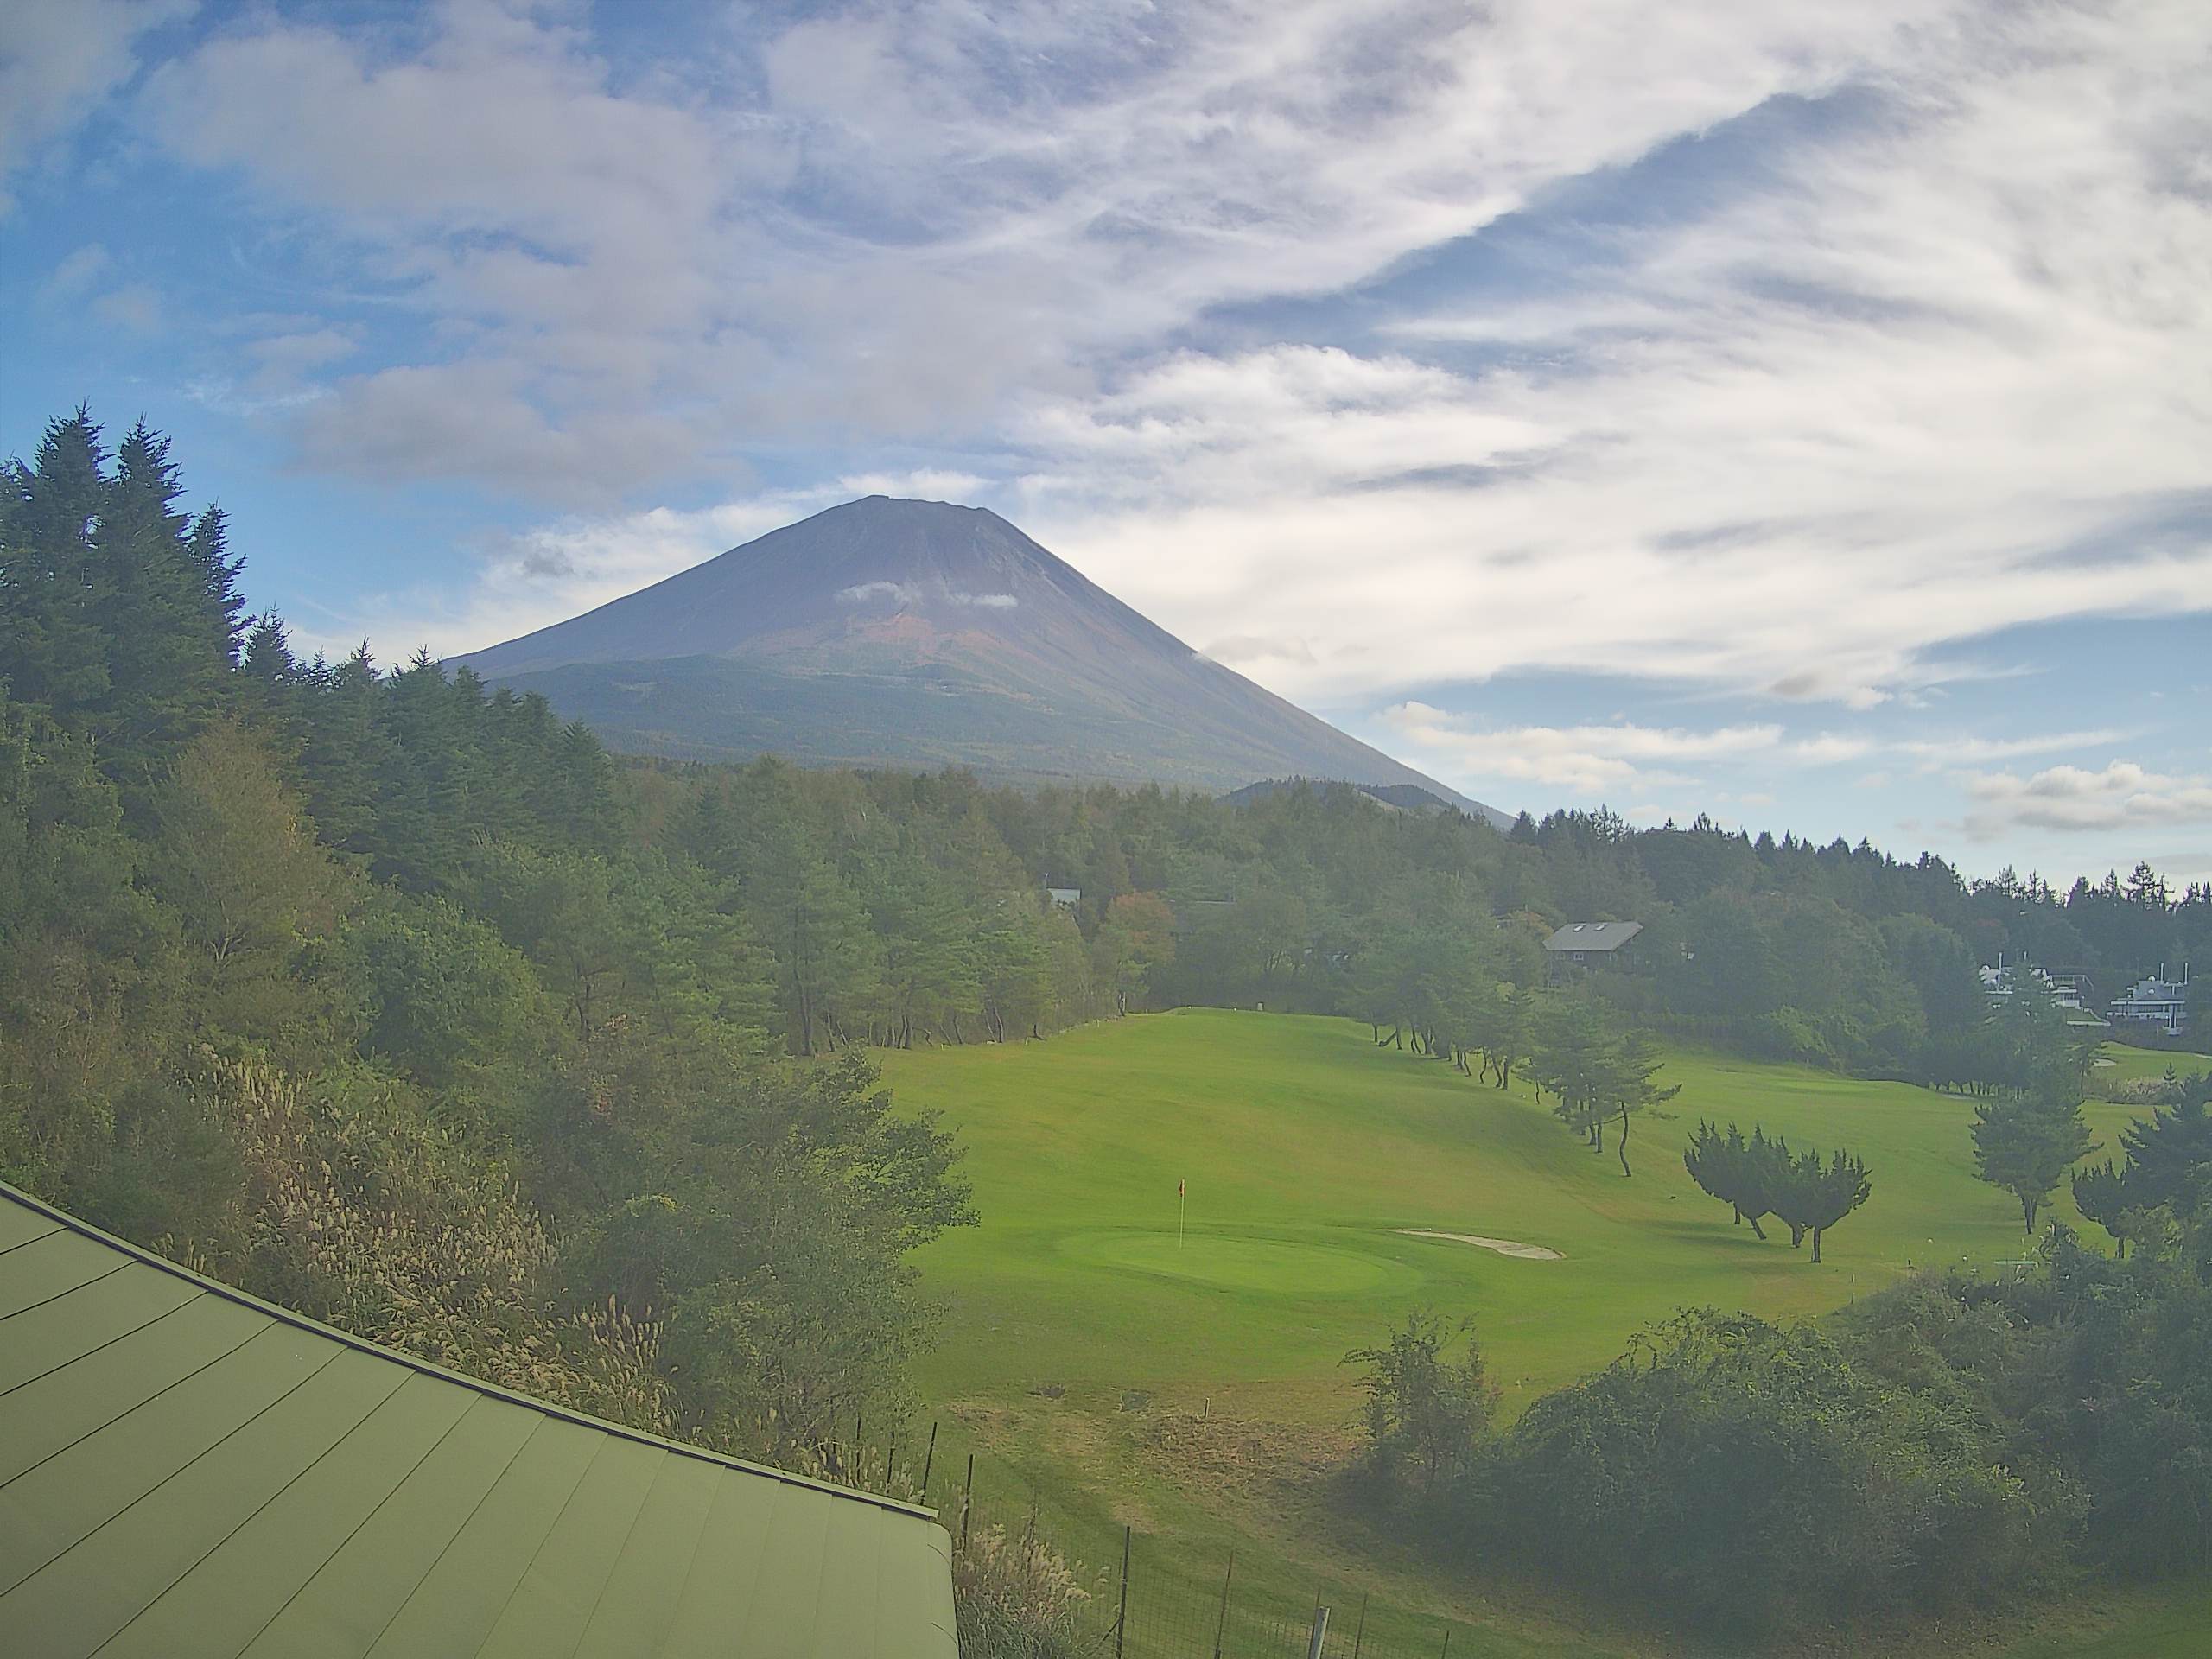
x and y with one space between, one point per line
1359 1630
1320 1633
1122 1617
1221 1623
928 1461
968 1505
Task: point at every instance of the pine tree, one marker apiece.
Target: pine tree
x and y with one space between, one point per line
1631 1083
1811 1197
2101 1193
55 649
170 613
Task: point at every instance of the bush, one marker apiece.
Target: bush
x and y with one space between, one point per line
1748 1476
1015 1598
1425 1414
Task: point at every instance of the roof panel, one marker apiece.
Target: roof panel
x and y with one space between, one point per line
789 1615
253 1574
56 1333
562 1585
344 1608
463 1597
48 1509
19 1226
55 1410
49 1266
197 1475
92 1590
848 1622
724 1578
638 1603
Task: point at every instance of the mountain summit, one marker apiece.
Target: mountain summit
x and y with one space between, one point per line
919 634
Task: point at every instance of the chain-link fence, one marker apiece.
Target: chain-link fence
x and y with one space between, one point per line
1020 1592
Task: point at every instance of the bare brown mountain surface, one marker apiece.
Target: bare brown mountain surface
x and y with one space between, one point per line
888 632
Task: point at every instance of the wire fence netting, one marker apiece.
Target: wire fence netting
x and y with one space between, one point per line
1019 1593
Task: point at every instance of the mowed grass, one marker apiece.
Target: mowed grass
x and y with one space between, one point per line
2128 1064
1105 1360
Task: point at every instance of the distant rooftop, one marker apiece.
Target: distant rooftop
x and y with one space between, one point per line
185 1469
1593 935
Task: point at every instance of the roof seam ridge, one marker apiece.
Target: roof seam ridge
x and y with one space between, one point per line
227 1435
299 1475
136 1406
445 1549
82 1284
101 1348
23 1243
323 1566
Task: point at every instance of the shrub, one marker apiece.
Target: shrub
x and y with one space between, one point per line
1015 1598
1425 1413
1750 1477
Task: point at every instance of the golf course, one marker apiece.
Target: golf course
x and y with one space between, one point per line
1118 1356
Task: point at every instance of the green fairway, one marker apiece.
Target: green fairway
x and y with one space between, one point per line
2127 1064
1102 1359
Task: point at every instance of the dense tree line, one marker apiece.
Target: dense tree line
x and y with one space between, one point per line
1316 898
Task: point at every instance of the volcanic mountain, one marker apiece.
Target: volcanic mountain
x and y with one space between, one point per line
919 634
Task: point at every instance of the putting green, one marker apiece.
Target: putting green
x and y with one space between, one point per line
1261 1264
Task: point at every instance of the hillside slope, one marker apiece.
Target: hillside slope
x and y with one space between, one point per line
922 634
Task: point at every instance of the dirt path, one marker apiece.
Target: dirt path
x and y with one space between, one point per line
1503 1246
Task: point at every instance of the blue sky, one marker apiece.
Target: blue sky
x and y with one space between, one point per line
1799 414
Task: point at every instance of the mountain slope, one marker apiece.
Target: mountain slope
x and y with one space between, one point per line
921 634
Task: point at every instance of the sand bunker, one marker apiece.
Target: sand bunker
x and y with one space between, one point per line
1512 1247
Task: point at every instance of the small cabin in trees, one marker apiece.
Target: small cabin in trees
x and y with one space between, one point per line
1587 944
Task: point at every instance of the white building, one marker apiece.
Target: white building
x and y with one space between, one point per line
2162 1004
2070 991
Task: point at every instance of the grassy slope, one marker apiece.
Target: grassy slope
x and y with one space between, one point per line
1303 1146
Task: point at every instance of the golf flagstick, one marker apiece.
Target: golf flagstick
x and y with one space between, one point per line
1180 1187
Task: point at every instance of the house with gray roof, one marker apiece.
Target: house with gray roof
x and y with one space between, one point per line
1585 944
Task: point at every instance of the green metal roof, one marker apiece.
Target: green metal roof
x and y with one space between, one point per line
186 1471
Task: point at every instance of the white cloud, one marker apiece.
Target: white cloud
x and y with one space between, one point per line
75 273
1828 748
57 62
892 220
1590 761
898 593
1584 760
1964 750
2120 796
135 306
